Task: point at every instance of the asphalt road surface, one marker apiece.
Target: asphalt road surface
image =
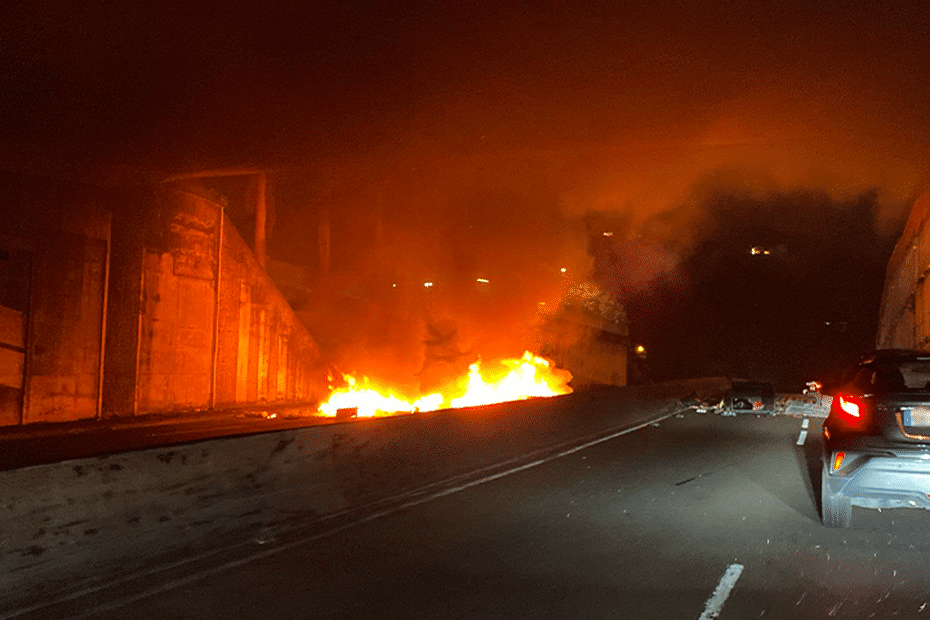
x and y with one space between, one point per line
696 516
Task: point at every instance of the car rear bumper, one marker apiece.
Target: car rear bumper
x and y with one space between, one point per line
882 481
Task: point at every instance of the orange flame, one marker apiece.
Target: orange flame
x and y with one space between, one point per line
516 379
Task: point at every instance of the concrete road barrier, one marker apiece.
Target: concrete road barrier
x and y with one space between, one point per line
70 525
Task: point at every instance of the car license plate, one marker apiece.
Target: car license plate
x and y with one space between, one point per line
916 416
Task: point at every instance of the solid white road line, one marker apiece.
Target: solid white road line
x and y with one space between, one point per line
721 592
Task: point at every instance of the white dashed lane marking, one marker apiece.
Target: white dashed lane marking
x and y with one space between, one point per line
715 603
803 436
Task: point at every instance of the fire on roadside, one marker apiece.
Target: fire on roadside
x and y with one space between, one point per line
505 380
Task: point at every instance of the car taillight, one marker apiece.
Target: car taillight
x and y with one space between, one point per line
849 408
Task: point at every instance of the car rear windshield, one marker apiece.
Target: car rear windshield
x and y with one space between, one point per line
911 376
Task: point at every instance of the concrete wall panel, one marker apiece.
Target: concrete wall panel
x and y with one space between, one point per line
124 306
179 279
54 243
265 353
63 343
208 307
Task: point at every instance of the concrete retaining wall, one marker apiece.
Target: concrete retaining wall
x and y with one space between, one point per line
211 330
138 300
53 261
904 316
71 525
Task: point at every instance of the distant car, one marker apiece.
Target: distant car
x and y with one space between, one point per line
876 438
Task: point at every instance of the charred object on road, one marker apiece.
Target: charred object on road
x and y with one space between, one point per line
743 397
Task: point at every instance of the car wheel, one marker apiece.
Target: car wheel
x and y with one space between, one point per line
835 509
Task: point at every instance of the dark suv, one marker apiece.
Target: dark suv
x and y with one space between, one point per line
876 439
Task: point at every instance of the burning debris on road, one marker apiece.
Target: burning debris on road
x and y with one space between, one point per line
486 383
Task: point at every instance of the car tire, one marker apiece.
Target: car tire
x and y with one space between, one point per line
835 508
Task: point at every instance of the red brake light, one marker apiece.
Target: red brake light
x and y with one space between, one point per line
849 406
849 409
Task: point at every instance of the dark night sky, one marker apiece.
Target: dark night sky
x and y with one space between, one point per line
510 121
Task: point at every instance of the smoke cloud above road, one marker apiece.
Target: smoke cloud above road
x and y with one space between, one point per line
490 139
611 104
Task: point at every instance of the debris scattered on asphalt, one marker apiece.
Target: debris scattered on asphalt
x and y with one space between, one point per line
704 405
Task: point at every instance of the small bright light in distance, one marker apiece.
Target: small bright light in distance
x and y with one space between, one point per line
608 234
563 269
428 284
640 349
394 285
482 280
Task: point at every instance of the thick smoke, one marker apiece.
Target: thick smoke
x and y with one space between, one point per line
693 290
431 270
486 140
